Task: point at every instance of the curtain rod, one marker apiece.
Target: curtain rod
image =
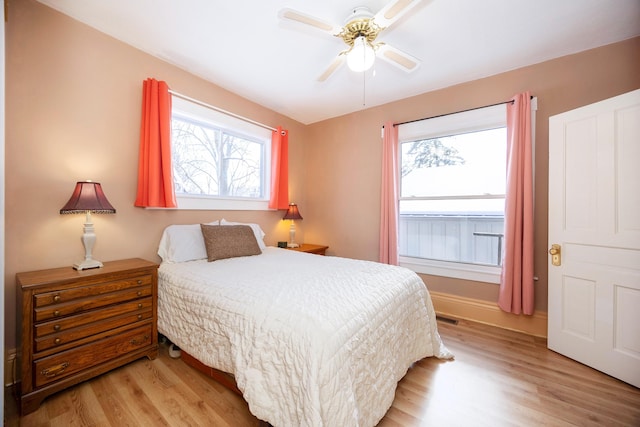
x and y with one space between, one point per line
455 112
220 110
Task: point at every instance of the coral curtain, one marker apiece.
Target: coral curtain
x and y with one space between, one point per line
155 177
279 169
516 283
388 250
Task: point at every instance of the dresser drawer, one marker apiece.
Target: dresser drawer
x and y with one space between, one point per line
59 325
82 292
70 330
75 306
60 365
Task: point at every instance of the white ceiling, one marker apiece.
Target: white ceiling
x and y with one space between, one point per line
244 47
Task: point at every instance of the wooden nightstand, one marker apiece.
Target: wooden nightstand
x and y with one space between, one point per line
80 324
312 249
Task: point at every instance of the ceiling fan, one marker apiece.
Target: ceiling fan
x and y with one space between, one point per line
360 33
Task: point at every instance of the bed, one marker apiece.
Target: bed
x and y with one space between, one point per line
310 340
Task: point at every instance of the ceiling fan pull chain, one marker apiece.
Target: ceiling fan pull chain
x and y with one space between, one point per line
364 87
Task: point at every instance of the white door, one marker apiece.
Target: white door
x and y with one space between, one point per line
594 217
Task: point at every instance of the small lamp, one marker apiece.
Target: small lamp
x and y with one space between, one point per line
88 198
292 214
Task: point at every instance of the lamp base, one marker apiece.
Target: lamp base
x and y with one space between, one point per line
87 264
293 245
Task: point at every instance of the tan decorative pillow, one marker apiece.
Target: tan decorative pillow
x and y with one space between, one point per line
229 241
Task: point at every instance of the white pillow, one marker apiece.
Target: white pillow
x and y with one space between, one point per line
257 231
183 242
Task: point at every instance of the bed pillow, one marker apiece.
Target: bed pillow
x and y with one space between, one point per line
229 241
182 242
257 231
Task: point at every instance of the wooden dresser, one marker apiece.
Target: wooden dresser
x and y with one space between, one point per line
79 324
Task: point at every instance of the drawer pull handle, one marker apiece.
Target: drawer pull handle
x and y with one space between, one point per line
56 327
139 305
139 282
139 316
139 293
56 298
55 370
56 313
57 341
135 341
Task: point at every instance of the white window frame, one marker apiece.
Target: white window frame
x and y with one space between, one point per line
203 202
452 124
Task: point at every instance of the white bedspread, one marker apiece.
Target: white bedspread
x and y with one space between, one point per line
311 340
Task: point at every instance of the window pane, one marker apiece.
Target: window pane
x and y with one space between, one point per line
474 239
452 197
195 157
459 165
241 165
209 161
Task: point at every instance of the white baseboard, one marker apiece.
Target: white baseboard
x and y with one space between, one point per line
488 313
10 367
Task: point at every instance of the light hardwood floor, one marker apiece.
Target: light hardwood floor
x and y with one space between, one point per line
498 378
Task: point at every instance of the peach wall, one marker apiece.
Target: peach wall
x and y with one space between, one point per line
343 182
73 105
73 111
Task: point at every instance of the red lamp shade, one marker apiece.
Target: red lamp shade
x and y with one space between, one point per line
87 196
292 212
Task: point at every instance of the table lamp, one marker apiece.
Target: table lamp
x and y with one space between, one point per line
88 198
292 214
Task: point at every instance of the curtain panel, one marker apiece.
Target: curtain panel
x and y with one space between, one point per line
388 248
279 198
516 283
155 176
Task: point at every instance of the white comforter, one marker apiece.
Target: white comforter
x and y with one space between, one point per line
311 340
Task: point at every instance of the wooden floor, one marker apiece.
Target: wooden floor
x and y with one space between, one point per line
498 378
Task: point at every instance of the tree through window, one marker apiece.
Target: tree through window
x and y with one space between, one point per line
215 162
428 153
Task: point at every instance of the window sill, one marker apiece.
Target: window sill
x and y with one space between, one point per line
477 273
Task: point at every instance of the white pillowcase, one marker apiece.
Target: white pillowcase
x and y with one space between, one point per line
183 242
257 231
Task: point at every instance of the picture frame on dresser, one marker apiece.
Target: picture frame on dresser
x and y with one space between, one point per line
77 324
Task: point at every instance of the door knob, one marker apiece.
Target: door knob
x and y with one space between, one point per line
555 254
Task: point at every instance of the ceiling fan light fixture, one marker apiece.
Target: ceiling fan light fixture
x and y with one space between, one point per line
361 56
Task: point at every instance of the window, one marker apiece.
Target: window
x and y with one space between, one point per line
219 162
452 190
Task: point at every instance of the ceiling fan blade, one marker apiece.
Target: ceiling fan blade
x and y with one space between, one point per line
393 11
337 63
312 21
398 58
